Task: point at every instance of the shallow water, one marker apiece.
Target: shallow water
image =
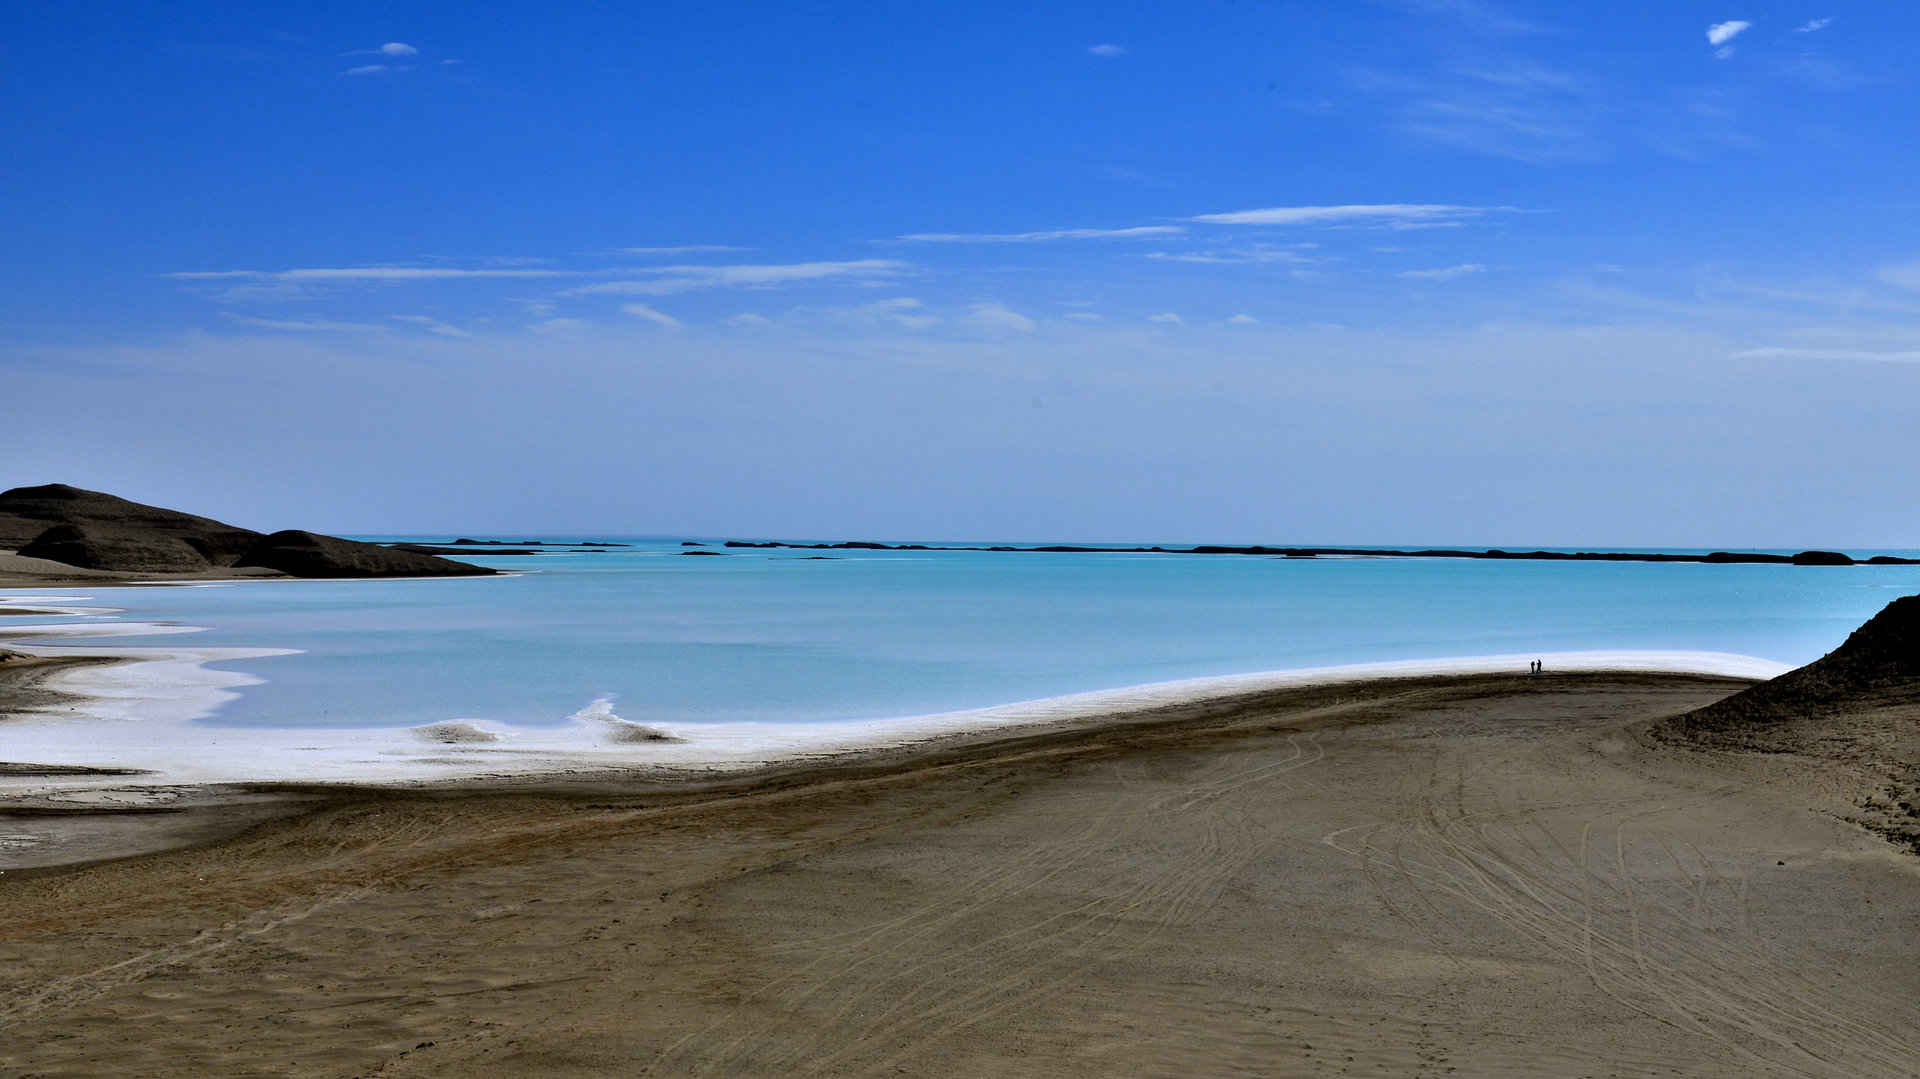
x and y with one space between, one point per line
776 636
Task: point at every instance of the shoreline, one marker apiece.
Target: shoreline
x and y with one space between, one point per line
1502 875
136 708
60 815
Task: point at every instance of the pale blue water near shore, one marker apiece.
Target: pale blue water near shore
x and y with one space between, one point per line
777 636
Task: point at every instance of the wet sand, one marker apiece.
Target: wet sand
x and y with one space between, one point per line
1433 876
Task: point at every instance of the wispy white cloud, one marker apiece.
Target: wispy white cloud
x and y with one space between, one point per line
1258 253
305 325
1905 276
1813 26
1823 72
1382 213
651 314
1522 75
361 273
750 318
1040 237
1840 354
433 325
679 249
896 312
999 318
1107 49
1243 320
1721 34
1475 15
1510 108
1444 273
398 50
668 280
1167 318
366 69
901 311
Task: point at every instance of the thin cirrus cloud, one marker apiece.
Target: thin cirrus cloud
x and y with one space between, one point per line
1475 15
433 326
1392 215
1839 354
651 314
1257 254
305 325
1906 276
1814 26
358 273
679 249
668 280
1444 273
904 311
1107 49
392 50
399 50
1039 237
999 318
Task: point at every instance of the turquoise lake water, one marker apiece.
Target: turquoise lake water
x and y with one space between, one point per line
775 635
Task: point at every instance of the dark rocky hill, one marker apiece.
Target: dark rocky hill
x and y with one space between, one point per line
98 531
1850 718
1878 666
308 554
93 546
26 512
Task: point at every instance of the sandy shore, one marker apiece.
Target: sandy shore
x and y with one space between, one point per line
1470 875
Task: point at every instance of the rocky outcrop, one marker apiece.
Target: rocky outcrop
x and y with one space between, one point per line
309 554
1878 666
26 512
97 531
1851 718
92 546
1822 558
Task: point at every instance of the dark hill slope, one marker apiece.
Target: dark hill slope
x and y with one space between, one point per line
26 512
1853 715
309 554
125 550
97 531
1878 666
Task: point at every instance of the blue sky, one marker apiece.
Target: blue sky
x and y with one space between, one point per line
1392 271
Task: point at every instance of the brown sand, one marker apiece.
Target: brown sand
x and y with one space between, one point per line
1466 876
